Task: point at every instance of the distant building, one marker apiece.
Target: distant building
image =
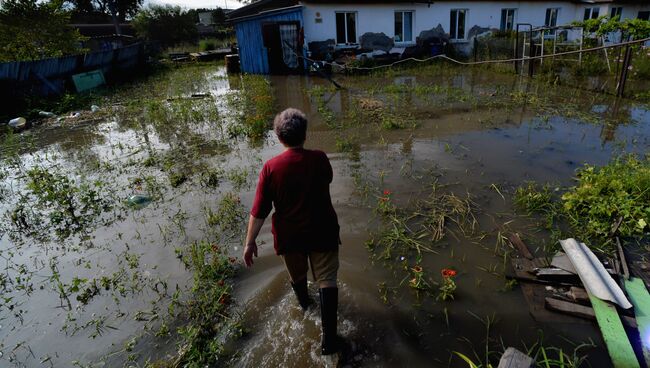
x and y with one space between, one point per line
271 32
206 18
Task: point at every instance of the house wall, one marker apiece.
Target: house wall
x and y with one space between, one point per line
253 56
380 17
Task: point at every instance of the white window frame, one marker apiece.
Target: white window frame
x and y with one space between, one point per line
411 41
591 12
557 16
464 38
356 27
514 19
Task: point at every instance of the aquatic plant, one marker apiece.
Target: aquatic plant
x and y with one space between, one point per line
448 287
208 320
602 197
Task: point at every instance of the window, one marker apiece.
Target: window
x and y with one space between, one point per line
346 27
591 13
616 12
551 17
403 26
644 15
457 24
507 19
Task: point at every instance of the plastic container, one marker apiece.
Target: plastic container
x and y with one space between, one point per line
46 114
17 123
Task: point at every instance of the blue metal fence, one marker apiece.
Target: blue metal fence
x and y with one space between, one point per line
253 56
48 75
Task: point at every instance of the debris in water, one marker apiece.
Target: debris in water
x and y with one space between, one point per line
139 200
46 114
94 108
18 123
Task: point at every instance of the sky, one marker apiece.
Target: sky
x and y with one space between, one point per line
230 4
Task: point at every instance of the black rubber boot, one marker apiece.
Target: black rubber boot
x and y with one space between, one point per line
329 302
302 293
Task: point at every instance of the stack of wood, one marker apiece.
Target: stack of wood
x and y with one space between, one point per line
552 286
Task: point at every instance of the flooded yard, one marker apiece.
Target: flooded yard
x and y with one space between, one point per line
114 223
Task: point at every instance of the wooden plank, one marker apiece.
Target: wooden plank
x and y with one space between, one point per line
513 358
520 246
618 345
581 311
621 255
523 271
640 299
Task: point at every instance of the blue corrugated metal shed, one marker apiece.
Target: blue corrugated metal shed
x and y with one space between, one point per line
253 55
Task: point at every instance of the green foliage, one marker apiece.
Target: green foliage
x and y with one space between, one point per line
255 106
207 309
168 24
31 30
601 196
636 28
69 207
620 189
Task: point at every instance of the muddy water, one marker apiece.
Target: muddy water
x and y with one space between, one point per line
462 142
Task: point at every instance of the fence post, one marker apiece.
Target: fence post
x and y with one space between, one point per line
531 61
626 65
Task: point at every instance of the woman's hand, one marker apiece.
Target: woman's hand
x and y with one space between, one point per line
250 249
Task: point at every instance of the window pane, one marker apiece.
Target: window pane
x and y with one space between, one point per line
644 15
586 16
340 27
553 17
461 24
408 26
452 24
399 37
504 15
594 13
352 27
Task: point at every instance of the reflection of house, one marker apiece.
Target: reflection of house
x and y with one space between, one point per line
270 32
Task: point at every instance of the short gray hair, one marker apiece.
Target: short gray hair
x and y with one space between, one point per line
291 127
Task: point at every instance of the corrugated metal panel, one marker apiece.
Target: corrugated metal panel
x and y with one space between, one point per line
96 59
9 70
252 53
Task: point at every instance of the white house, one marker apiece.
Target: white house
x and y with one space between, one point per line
343 23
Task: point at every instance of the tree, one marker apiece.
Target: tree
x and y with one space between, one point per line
165 23
33 29
117 10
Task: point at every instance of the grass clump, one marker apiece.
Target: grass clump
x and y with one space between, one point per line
602 196
208 320
620 189
256 105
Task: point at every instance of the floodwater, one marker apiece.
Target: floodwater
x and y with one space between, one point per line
460 140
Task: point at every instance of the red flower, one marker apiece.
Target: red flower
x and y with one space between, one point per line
387 192
446 272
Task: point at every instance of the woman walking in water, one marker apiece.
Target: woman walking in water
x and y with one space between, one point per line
305 227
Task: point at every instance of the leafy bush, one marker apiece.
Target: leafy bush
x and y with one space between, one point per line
602 196
620 189
31 29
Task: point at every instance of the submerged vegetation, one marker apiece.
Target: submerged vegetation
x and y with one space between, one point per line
614 198
159 277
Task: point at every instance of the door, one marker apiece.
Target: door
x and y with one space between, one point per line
282 42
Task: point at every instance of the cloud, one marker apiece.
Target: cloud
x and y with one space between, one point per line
191 4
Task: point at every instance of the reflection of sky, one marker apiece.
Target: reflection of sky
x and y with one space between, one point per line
225 4
640 114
